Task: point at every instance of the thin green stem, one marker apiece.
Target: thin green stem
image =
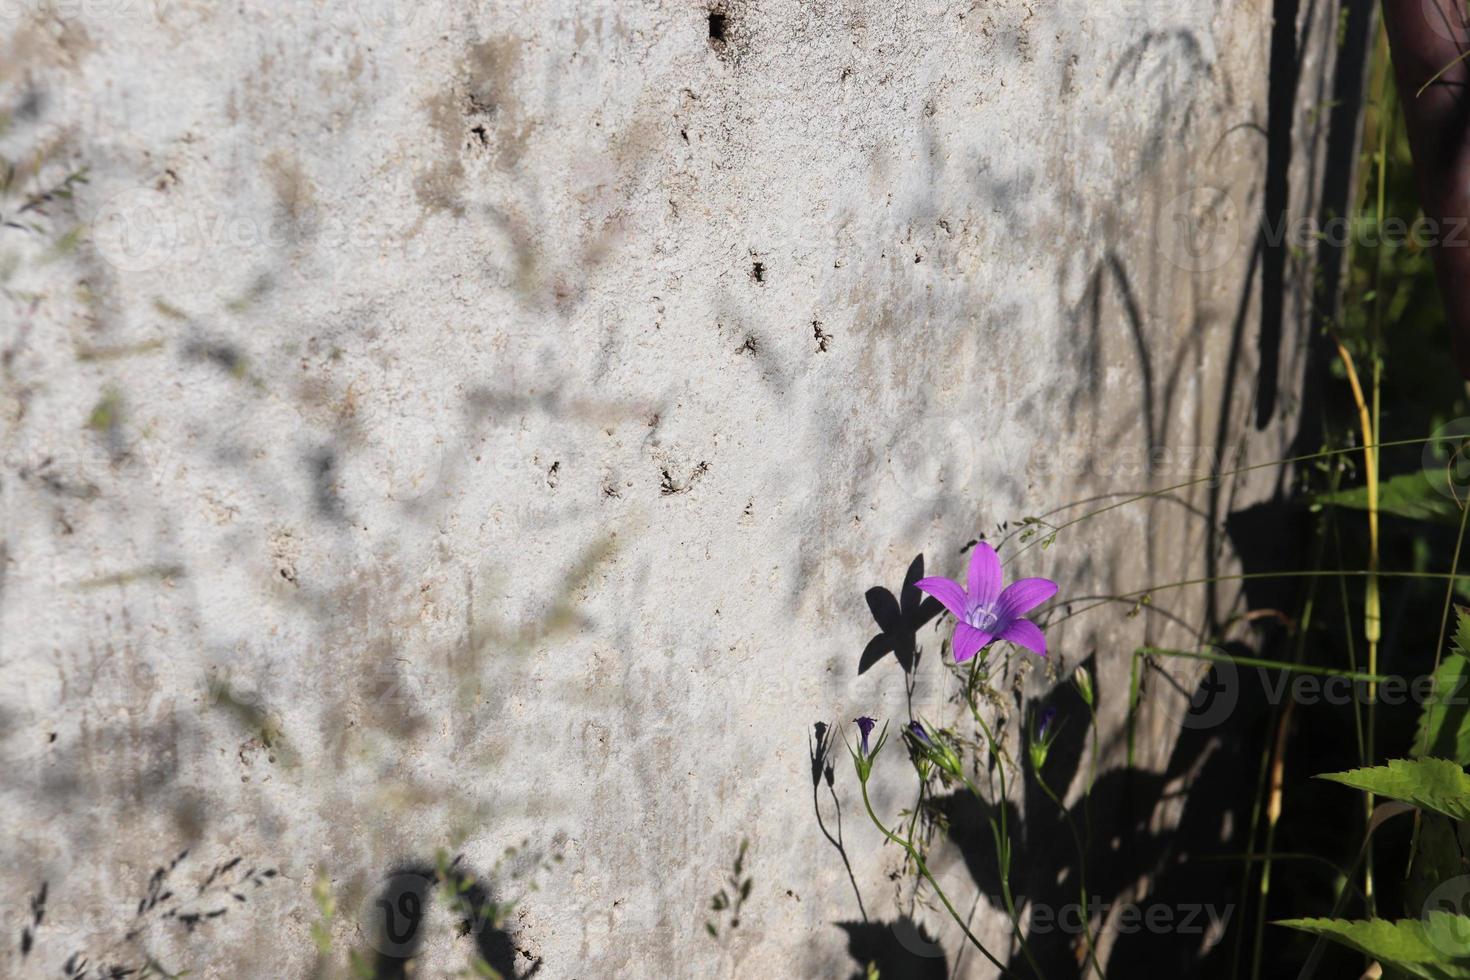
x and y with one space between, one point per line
1295 668
1001 832
1440 74
1239 577
1213 478
1248 859
924 870
998 830
1282 721
1081 873
1449 592
1352 647
1444 622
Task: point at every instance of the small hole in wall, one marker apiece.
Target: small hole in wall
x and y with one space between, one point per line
824 339
717 26
758 271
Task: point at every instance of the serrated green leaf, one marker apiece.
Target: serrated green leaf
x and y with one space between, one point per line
1430 784
1421 496
1436 947
1444 724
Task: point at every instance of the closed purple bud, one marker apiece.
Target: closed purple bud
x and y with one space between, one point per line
1047 717
917 730
865 726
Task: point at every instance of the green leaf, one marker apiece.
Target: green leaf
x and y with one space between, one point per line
1430 784
1444 724
1436 947
1437 859
1422 496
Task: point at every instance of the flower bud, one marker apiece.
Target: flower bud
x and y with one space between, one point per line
862 758
1083 680
936 751
1042 738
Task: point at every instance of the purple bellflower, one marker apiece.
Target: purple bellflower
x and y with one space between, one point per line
863 758
986 612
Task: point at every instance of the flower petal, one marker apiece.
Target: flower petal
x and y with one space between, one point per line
968 641
1023 632
1023 595
945 591
985 575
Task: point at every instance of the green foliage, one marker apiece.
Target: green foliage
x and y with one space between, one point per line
1424 948
326 905
1430 784
484 969
1435 946
1444 725
360 967
107 413
1418 496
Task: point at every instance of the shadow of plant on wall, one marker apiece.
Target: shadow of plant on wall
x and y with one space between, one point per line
726 904
174 899
1086 862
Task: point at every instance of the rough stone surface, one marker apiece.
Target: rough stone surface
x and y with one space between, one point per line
442 427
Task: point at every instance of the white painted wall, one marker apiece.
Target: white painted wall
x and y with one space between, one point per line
410 371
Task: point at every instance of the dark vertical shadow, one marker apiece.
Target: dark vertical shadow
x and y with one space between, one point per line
1281 107
1145 364
1344 127
1344 133
819 747
1226 413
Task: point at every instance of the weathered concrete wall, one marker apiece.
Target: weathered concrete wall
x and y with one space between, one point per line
434 426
